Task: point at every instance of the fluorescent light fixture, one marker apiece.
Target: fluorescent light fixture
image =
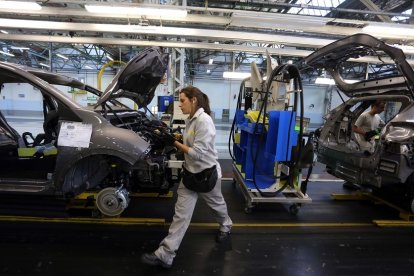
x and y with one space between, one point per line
208 71
387 31
157 12
326 81
7 54
109 57
45 65
210 61
62 56
19 48
236 75
4 32
19 5
329 81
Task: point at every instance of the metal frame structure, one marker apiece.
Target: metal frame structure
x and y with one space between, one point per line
291 196
225 26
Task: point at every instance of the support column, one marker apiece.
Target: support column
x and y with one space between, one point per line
178 58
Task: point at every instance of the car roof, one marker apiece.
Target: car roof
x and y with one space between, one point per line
332 56
50 77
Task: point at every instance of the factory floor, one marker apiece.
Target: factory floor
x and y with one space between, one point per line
326 237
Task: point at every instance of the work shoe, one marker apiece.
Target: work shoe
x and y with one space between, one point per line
153 260
222 236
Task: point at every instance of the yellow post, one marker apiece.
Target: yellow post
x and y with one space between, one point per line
100 74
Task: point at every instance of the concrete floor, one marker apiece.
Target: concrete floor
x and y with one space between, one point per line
326 237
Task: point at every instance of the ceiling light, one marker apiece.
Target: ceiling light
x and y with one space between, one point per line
19 48
7 54
276 21
45 65
329 81
326 81
389 31
4 32
62 56
236 75
210 61
159 12
109 57
18 5
208 71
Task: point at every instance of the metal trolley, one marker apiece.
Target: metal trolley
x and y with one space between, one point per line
289 195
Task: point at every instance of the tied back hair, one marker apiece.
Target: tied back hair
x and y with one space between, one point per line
202 99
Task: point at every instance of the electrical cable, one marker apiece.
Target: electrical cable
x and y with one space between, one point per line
295 75
238 106
340 96
274 73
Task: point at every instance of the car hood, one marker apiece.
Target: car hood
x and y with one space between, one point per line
332 56
139 78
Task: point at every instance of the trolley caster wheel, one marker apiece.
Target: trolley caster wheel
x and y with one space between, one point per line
248 210
294 209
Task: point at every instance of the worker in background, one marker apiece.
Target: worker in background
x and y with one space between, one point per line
200 153
367 125
365 129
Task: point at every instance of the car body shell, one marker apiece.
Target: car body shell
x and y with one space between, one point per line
123 149
391 164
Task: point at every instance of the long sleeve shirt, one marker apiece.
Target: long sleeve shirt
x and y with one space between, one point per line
200 135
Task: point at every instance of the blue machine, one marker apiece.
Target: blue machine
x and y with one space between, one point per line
268 152
164 102
259 149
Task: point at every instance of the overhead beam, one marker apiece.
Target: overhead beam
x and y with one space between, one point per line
371 6
81 13
213 17
164 31
287 51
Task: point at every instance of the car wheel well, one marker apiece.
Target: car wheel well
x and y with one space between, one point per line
91 172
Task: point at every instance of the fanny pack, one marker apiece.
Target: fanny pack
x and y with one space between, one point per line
202 182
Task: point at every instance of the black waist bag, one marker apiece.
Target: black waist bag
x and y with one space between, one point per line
202 182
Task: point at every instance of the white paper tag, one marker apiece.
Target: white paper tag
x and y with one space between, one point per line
75 134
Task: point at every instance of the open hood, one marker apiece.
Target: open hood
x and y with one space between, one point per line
332 56
139 78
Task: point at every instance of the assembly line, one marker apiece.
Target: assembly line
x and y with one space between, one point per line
206 137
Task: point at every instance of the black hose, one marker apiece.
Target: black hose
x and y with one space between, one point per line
239 101
274 73
293 71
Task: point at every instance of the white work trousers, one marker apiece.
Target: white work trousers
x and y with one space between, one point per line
184 209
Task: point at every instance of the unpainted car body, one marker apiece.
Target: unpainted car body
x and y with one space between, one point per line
124 152
391 165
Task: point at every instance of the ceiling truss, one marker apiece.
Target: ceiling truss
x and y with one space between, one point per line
227 28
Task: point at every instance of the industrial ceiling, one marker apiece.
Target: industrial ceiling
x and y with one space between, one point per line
231 32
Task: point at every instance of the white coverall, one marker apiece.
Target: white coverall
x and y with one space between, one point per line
367 122
199 135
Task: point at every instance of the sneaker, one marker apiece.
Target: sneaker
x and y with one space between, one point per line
222 236
153 260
